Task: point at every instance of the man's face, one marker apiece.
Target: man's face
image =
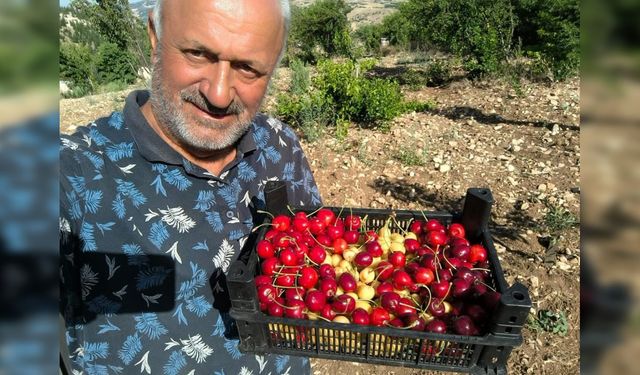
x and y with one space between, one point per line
212 66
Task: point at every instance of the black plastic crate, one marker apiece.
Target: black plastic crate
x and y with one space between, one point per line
485 354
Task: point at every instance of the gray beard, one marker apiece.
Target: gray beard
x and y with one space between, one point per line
171 118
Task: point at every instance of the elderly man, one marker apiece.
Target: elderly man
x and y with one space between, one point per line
157 200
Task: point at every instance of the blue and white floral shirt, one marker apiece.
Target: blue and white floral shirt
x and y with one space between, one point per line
147 237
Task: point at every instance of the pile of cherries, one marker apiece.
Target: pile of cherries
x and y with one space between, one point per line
426 277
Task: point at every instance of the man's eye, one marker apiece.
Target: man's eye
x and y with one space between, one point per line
195 53
247 70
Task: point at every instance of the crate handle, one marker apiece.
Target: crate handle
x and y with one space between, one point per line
477 211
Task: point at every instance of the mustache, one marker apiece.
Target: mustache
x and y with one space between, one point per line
196 98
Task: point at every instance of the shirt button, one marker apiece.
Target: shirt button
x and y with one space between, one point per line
229 214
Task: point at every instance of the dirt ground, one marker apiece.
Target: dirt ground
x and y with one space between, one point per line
524 144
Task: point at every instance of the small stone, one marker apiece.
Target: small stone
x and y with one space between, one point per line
524 206
542 187
412 174
444 168
500 249
511 168
555 130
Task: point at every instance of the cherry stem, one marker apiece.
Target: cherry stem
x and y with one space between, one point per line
481 269
444 255
314 212
485 284
424 216
321 245
290 210
338 215
265 212
260 226
309 259
398 224
415 323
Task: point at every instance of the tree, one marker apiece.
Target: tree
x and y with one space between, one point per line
322 25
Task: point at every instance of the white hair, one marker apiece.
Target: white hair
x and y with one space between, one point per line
284 8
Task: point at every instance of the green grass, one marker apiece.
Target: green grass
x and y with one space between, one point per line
558 219
411 157
549 321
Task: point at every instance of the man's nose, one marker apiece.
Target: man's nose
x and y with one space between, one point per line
218 86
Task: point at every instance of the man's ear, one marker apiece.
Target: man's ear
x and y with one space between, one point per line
153 36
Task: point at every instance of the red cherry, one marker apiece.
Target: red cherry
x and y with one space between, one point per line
423 275
343 304
266 293
324 240
463 325
351 236
460 251
275 308
436 326
265 249
339 245
436 307
288 257
401 279
285 280
294 309
326 216
315 300
411 245
379 316
270 266
329 287
347 282
281 222
432 225
300 224
397 259
335 231
384 270
317 254
308 277
456 230
374 249
316 226
360 316
294 293
327 271
270 234
416 226
327 312
384 287
437 238
477 254
390 300
352 222
405 307
440 289
363 259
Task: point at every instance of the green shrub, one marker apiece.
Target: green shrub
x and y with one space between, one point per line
76 67
115 64
318 30
552 29
339 94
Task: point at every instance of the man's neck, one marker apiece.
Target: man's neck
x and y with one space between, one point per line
214 162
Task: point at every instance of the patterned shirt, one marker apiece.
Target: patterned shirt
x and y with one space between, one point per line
146 240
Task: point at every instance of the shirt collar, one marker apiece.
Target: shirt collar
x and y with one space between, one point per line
153 148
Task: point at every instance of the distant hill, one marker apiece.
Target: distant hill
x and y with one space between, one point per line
142 8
